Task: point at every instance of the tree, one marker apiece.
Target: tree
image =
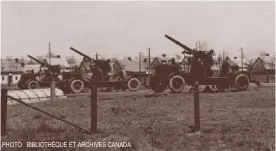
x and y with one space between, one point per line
113 59
21 59
71 60
8 58
164 55
40 58
31 61
219 59
51 54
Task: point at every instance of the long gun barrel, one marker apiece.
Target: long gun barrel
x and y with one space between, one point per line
38 61
80 53
188 50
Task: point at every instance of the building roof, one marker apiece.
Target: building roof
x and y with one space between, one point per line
132 65
58 61
30 67
268 62
239 63
11 66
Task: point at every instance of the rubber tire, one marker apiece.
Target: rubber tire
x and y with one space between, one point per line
172 88
158 88
239 88
71 82
129 84
32 81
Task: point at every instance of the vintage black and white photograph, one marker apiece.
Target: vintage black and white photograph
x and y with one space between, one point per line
137 75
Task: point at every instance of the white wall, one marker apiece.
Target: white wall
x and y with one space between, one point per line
15 79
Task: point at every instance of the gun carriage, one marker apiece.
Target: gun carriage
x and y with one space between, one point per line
42 78
175 79
99 75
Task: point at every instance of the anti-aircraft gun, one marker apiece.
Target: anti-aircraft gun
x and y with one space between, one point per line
201 62
42 78
98 75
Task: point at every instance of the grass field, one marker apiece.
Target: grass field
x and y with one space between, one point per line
230 121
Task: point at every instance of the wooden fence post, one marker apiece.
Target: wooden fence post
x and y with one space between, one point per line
196 108
4 100
93 109
52 91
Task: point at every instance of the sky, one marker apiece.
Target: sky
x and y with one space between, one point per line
120 28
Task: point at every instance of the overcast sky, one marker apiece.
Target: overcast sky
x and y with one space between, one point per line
126 28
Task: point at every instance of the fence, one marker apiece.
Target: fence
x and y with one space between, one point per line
93 108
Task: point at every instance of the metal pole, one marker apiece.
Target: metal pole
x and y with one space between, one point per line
149 61
97 56
93 109
50 53
241 58
223 56
196 107
139 61
4 100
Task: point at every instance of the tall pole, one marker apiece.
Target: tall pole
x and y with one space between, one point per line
241 58
96 56
222 55
149 60
49 52
139 61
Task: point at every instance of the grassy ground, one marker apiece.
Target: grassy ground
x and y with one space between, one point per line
238 121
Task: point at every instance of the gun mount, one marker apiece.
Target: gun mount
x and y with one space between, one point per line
97 75
41 79
201 62
82 54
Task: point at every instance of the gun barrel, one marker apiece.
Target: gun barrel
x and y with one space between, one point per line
80 53
179 44
38 61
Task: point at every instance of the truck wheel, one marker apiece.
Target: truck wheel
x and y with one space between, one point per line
76 85
133 84
241 82
32 84
176 83
158 84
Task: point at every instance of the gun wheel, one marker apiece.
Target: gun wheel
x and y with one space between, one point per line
241 82
133 84
158 84
76 85
176 83
32 84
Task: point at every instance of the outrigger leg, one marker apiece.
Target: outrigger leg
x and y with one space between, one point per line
208 89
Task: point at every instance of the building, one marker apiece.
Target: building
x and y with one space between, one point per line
264 69
11 72
264 64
